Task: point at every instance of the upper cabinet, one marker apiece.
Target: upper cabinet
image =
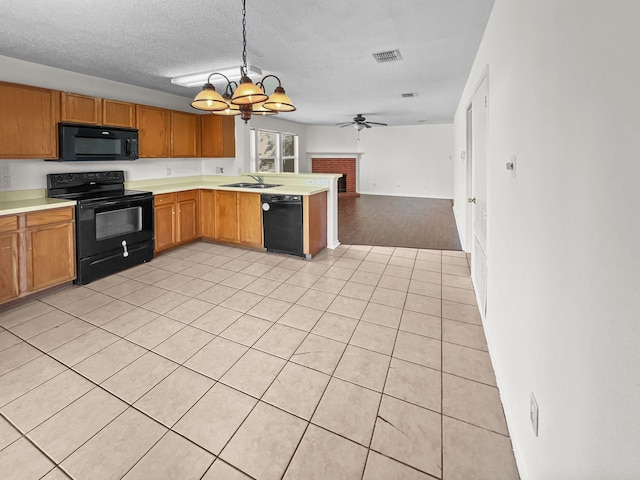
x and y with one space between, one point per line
218 136
118 114
154 128
185 134
28 121
80 109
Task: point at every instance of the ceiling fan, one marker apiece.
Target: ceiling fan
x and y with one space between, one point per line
359 122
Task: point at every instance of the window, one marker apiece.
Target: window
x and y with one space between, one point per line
289 152
274 152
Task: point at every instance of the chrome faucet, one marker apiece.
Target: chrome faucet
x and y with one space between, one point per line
257 178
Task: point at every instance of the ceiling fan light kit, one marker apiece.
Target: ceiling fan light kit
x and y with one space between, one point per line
360 123
245 98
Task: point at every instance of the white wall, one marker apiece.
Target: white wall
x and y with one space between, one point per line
412 161
563 303
28 174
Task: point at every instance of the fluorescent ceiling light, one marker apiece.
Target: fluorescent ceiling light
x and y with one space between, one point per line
198 79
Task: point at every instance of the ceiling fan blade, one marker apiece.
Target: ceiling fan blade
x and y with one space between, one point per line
366 124
345 125
378 123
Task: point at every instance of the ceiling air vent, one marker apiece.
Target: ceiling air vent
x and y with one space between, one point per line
390 56
409 95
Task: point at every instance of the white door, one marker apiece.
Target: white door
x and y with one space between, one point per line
477 171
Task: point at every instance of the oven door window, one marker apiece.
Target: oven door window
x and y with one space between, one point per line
115 223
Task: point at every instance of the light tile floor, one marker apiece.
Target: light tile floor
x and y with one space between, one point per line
212 362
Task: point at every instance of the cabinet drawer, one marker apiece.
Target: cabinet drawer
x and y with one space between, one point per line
164 198
49 216
188 195
8 223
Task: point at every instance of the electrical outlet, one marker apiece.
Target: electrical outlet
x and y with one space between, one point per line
309 181
533 414
168 172
5 181
321 182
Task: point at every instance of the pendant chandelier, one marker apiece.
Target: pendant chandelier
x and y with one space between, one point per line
245 98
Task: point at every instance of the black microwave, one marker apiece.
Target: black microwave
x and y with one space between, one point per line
78 142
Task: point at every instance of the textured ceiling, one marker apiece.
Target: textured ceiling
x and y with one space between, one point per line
320 50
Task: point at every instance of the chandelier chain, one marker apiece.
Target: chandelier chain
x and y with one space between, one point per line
244 36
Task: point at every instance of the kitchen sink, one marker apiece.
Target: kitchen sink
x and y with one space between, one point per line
252 185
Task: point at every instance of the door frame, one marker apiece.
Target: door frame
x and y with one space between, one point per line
480 284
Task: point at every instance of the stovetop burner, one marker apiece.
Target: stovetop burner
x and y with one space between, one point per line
89 186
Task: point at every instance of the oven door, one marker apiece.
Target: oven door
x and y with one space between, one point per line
109 226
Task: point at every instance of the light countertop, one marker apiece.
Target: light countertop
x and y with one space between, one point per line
22 201
13 207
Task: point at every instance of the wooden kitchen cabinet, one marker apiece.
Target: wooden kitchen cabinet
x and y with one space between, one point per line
9 280
164 210
80 108
154 130
118 114
226 217
207 204
175 219
314 208
50 248
37 251
250 219
28 121
218 137
185 134
187 212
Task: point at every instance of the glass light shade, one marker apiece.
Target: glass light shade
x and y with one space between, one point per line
279 101
231 108
248 93
258 109
208 99
359 126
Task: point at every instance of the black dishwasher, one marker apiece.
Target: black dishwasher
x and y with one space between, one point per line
282 223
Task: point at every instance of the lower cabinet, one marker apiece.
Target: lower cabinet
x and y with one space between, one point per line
229 217
37 251
250 219
238 218
207 203
175 219
9 267
226 216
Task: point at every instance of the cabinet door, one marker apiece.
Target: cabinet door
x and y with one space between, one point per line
185 134
207 213
8 266
226 218
154 131
80 108
28 121
218 136
50 256
164 221
118 114
187 216
250 218
228 137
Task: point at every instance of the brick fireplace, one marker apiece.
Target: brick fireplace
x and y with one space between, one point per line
345 166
